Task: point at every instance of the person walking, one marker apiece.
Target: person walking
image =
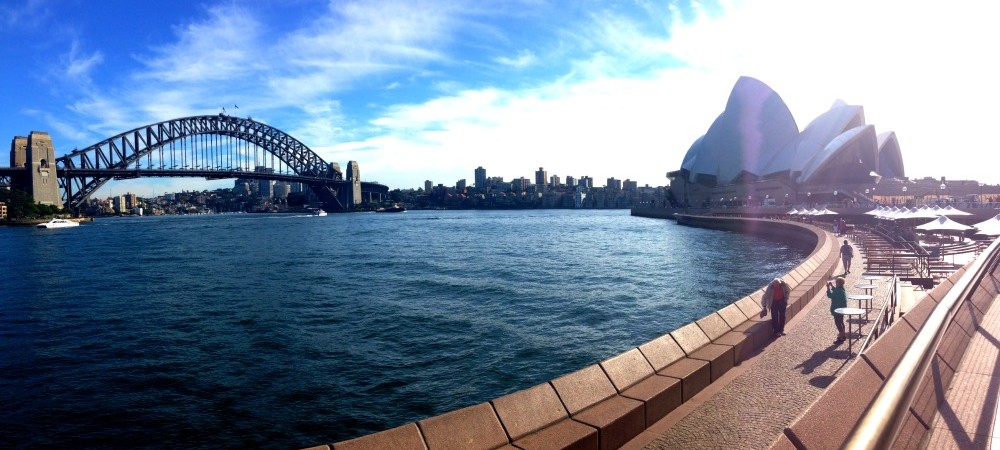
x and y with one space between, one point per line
846 254
838 299
775 298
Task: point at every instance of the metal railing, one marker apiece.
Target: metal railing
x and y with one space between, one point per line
878 426
885 318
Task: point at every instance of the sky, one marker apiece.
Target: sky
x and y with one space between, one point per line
419 90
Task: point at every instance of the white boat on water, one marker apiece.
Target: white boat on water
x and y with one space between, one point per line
59 223
319 213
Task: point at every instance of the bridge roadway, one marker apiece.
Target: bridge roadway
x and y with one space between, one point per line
751 406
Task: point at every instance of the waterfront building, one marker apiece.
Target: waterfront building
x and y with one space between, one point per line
541 176
3 211
481 178
519 184
118 204
131 201
354 177
614 184
579 197
460 186
554 182
37 154
570 181
281 190
630 185
754 152
586 182
428 185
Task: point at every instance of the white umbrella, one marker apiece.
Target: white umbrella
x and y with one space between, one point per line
824 212
989 226
943 223
949 210
875 212
793 212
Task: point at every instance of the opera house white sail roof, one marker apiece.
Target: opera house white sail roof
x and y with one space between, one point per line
756 137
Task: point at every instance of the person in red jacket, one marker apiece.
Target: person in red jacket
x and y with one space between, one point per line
775 298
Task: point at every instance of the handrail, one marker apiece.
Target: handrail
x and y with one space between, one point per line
885 318
878 426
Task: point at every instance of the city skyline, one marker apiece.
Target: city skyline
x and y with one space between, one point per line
615 89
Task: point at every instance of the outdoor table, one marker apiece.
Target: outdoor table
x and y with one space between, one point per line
867 287
867 299
871 278
848 313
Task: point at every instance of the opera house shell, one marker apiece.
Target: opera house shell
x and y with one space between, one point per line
755 147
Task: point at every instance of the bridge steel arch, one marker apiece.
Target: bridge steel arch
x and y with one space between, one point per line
85 170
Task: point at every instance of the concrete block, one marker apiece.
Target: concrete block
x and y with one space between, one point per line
527 411
953 345
690 338
848 397
932 391
584 388
662 351
659 395
565 435
694 374
889 348
917 315
617 419
627 369
741 343
474 427
759 331
719 356
749 306
732 315
968 317
912 435
713 325
406 437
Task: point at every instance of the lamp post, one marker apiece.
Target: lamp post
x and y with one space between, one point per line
786 199
904 195
941 194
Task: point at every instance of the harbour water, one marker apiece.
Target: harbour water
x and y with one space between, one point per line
285 331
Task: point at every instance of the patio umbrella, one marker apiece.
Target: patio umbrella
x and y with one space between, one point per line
950 211
990 227
824 212
793 212
942 224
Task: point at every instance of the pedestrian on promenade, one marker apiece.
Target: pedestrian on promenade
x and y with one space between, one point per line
775 298
846 254
838 299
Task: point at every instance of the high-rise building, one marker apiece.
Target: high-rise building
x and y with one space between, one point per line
570 181
614 184
460 186
586 182
520 184
630 185
480 178
265 188
541 176
554 181
131 201
428 184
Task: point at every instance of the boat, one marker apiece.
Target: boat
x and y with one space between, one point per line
58 223
393 208
319 213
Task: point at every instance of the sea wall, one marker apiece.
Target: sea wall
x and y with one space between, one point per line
605 405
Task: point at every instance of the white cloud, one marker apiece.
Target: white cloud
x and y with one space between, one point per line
524 59
79 66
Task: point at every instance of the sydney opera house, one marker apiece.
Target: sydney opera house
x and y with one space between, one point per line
755 154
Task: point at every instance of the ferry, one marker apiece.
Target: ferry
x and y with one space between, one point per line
319 213
394 208
58 223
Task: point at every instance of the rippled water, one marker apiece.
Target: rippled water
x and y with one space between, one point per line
285 331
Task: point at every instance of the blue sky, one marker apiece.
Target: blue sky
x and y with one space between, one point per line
417 90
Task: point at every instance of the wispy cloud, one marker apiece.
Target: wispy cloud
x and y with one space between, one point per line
78 66
523 59
27 15
223 46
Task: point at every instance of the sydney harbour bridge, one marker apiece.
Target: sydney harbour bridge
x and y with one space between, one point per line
210 147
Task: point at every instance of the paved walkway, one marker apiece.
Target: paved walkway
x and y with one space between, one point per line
750 406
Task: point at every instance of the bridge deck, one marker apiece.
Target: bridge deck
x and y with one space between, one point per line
750 406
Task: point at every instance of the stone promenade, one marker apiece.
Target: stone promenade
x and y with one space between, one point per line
750 406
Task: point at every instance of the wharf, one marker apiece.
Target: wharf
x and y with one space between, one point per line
752 406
